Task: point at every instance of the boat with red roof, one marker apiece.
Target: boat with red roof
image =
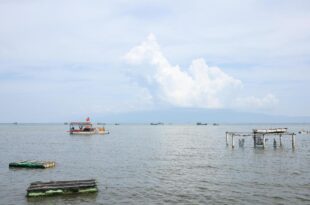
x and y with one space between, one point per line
85 128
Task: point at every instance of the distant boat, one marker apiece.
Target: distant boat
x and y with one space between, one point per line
199 123
215 124
15 123
156 123
116 124
304 131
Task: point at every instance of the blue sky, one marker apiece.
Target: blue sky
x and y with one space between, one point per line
62 60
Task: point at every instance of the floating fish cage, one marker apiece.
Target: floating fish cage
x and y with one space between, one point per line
61 187
260 136
32 164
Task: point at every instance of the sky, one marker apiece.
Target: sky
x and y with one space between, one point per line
64 60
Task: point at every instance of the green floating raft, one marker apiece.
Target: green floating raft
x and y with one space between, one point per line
33 164
61 187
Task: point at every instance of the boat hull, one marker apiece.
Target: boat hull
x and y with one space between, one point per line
99 131
83 133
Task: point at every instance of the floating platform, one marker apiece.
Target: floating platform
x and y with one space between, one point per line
61 187
33 164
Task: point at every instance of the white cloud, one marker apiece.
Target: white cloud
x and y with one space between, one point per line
250 102
201 86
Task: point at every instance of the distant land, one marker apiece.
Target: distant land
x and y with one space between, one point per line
193 115
172 115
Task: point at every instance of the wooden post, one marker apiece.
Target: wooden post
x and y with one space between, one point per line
263 141
226 139
232 141
254 139
293 141
280 140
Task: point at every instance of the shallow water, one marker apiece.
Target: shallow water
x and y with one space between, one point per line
164 164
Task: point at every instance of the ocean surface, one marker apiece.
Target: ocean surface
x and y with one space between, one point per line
164 164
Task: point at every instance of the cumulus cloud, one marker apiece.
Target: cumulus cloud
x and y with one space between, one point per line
198 86
264 102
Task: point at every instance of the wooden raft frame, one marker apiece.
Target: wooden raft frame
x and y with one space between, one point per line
61 187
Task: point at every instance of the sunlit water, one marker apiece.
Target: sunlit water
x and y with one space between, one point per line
164 164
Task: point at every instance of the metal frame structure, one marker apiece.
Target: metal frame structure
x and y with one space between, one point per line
256 135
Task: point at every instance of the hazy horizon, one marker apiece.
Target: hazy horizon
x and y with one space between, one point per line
182 116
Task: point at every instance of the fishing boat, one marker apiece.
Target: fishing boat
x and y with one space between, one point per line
85 128
156 123
199 123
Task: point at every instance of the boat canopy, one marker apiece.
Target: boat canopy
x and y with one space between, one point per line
80 123
270 131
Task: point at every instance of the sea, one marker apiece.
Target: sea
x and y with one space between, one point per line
162 164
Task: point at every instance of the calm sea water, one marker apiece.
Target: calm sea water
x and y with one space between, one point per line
165 164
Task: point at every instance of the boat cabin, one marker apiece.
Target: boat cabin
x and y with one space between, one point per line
82 128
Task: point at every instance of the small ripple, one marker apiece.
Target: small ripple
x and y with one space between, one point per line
202 188
296 173
277 198
303 199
